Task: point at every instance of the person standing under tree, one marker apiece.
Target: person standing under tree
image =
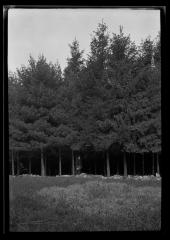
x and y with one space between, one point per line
78 165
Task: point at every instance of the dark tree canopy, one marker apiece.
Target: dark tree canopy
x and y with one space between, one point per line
113 97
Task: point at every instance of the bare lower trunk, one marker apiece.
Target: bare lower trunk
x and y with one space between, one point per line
45 160
107 163
158 169
80 169
60 162
73 168
104 164
153 170
13 166
18 167
42 163
125 164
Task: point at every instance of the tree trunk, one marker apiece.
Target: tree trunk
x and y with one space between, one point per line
134 167
30 166
45 160
143 157
153 170
73 167
18 168
42 163
108 163
59 162
13 167
125 165
158 169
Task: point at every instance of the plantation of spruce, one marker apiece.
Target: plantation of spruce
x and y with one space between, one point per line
110 98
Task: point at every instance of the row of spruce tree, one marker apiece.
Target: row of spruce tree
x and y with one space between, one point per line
112 96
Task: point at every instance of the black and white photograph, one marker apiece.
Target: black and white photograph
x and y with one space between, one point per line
84 119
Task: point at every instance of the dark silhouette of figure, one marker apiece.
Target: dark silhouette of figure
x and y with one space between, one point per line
78 165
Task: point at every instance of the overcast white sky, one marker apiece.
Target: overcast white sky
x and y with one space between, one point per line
49 31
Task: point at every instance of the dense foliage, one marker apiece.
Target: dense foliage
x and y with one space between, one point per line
112 97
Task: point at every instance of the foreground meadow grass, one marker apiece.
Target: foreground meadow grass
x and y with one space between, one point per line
54 204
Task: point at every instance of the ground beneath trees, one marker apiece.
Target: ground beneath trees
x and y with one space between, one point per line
84 203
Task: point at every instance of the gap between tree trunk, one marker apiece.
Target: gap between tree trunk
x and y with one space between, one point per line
143 168
73 167
29 165
125 164
108 163
153 167
60 162
134 166
42 163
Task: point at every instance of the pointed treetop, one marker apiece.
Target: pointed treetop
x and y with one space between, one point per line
121 29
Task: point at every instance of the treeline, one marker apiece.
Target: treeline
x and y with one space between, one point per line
114 96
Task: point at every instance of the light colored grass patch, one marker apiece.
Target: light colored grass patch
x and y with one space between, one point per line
99 198
78 204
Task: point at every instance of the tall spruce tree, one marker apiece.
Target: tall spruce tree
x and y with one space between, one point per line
145 104
16 137
75 63
122 64
37 96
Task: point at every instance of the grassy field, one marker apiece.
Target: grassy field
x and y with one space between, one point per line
73 204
